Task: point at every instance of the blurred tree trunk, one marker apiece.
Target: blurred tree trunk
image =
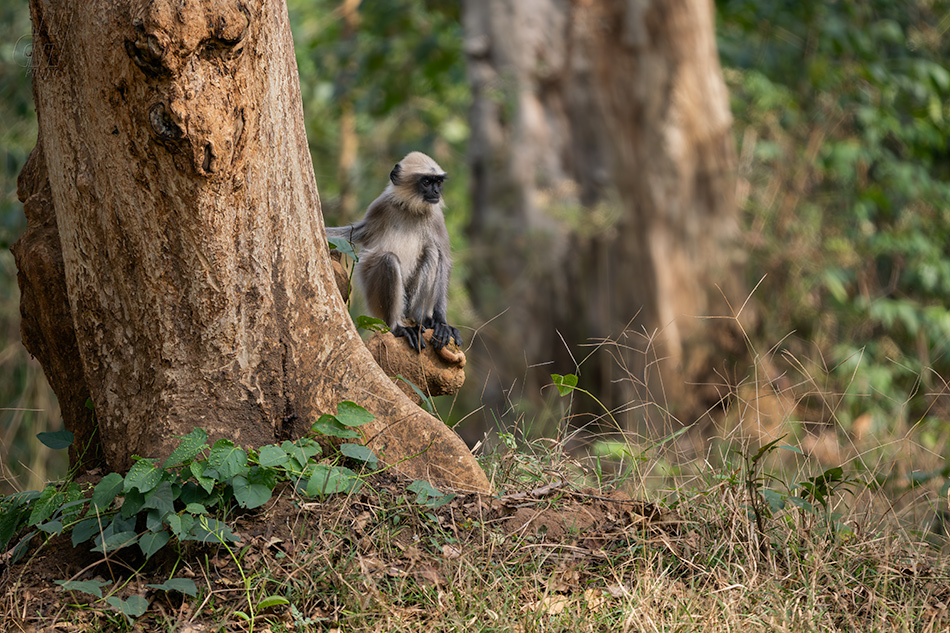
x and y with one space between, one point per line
172 191
603 185
349 140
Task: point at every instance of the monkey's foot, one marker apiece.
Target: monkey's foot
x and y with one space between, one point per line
412 334
443 333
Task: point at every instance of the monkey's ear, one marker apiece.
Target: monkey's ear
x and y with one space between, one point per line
394 174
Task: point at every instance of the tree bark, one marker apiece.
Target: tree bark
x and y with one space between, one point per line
197 275
603 188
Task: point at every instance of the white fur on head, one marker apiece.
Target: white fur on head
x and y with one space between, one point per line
406 174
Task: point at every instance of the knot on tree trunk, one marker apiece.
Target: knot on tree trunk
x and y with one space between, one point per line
434 373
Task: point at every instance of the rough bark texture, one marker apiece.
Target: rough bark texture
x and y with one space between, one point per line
197 275
47 325
603 186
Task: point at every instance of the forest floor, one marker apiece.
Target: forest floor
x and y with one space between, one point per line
550 557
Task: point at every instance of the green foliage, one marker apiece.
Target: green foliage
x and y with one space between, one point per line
370 324
152 506
56 440
565 384
766 503
843 111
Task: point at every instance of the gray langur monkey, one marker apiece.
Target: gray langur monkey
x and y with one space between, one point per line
405 260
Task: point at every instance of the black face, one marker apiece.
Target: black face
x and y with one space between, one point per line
430 188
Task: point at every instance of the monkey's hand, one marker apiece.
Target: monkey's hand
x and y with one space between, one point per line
442 333
412 334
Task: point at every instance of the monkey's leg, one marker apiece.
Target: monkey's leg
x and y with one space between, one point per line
442 332
381 278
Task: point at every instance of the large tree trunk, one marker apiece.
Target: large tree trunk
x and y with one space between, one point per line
603 185
197 275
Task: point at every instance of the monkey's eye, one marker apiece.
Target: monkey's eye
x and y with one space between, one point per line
426 181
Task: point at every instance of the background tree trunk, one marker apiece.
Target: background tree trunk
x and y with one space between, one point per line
603 187
196 267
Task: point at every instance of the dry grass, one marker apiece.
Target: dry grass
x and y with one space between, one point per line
559 557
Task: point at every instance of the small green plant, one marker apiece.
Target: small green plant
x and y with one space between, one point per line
370 324
765 502
174 501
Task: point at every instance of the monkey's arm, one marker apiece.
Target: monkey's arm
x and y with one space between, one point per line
350 232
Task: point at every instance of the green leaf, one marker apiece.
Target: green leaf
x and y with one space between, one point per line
160 498
196 508
75 500
181 585
801 503
371 324
271 601
92 587
22 547
343 245
133 607
428 495
19 499
763 450
328 480
227 459
198 472
351 414
115 542
775 500
153 541
51 527
272 456
44 507
143 476
302 450
154 520
191 492
331 427
11 520
190 445
133 502
106 490
56 440
565 384
360 453
180 525
85 530
249 495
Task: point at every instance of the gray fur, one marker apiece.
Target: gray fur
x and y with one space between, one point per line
405 258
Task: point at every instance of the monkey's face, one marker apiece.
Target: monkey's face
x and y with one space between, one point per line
430 188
